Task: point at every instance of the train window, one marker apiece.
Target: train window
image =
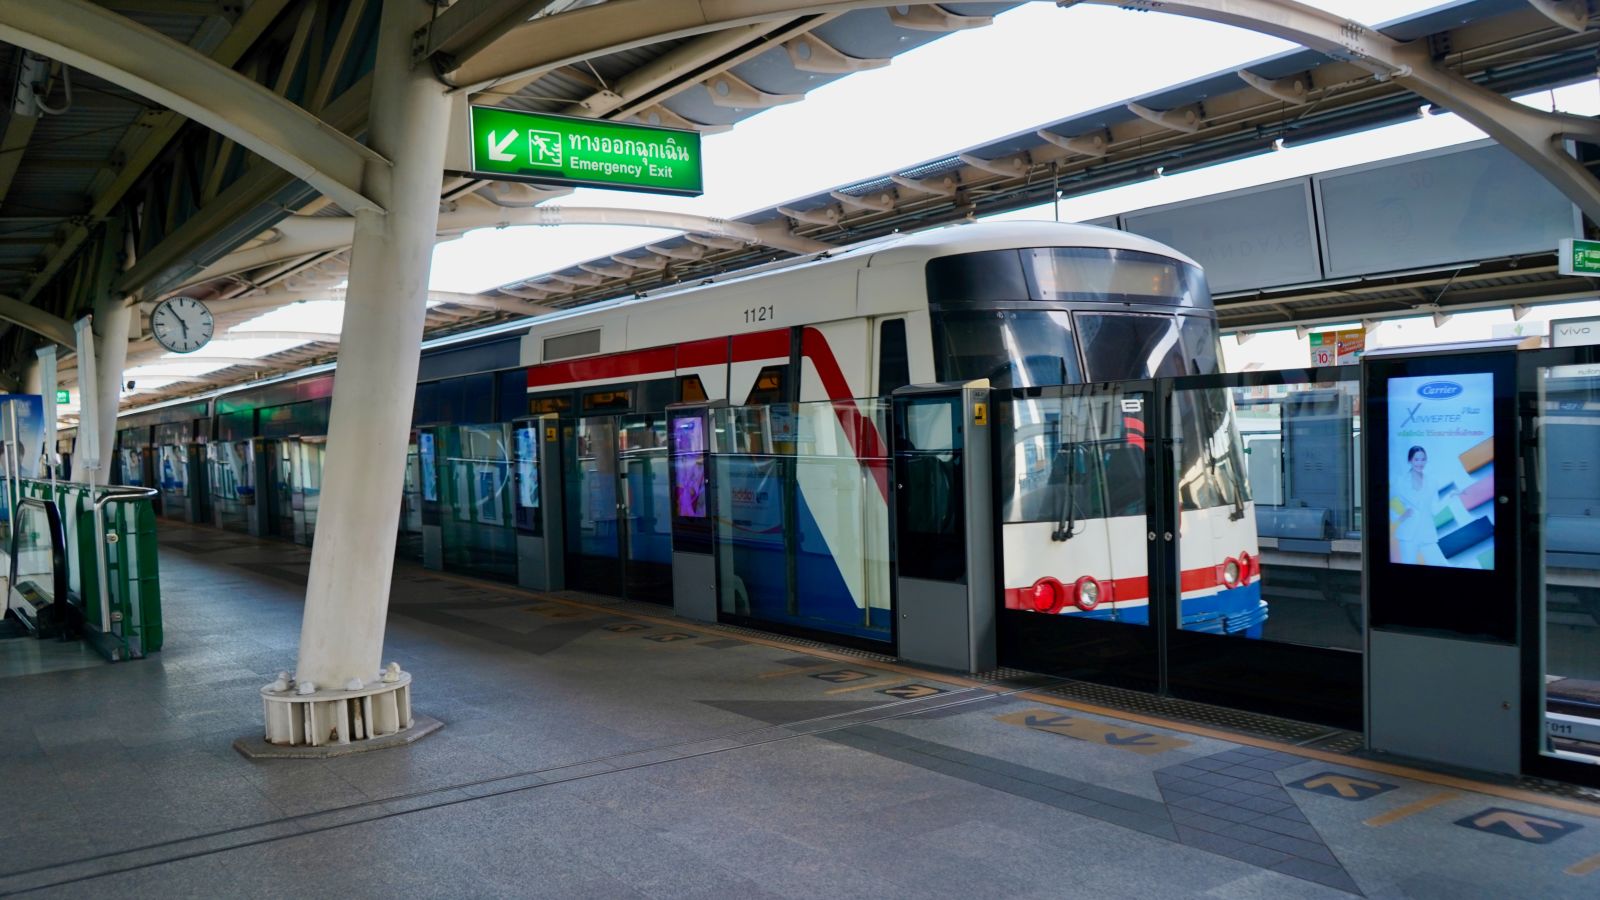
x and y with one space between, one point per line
566 346
1119 346
1071 458
542 405
894 363
1011 348
771 386
1201 346
690 390
604 401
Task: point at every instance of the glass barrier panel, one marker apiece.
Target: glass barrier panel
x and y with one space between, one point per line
648 483
479 535
1269 538
1072 505
801 524
841 517
1567 481
309 473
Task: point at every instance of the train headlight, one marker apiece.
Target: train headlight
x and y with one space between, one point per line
1230 573
1087 592
1047 595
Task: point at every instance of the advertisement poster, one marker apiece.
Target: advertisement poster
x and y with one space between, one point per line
29 435
1441 471
528 467
430 473
689 467
1338 348
487 477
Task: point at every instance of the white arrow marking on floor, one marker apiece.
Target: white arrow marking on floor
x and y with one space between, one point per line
497 148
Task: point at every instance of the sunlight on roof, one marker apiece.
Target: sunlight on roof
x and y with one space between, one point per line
1036 64
320 316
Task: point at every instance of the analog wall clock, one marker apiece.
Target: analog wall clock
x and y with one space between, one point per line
182 324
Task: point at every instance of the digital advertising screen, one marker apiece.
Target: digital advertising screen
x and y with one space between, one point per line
1441 509
689 467
527 467
430 475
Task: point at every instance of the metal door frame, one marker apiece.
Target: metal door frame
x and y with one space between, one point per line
1141 665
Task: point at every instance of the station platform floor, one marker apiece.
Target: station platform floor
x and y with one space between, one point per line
605 749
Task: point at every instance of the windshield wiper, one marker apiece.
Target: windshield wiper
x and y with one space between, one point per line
1067 514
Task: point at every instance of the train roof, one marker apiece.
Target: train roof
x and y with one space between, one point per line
964 237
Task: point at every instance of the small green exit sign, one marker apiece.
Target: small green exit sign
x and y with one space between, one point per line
1579 257
63 396
524 146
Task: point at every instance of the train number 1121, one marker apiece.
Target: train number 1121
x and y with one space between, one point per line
760 314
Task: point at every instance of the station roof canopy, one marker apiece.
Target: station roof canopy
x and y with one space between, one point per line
103 186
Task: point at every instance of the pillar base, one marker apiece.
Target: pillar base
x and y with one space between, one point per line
258 748
332 722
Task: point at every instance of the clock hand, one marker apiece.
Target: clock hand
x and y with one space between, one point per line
185 326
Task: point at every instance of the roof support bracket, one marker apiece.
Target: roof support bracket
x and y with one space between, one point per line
1569 14
879 202
946 186
1005 166
826 216
808 53
730 91
1185 119
1292 89
684 253
1095 144
932 17
715 242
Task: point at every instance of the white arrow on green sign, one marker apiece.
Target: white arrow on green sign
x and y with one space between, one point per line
523 146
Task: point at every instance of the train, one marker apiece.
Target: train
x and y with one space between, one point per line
797 360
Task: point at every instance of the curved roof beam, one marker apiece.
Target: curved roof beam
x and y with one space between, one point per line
37 321
88 37
299 236
1535 137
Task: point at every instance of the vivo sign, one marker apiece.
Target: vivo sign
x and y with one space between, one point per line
1575 332
1439 390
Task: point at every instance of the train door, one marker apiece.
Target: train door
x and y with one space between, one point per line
279 488
309 452
1075 533
594 532
646 506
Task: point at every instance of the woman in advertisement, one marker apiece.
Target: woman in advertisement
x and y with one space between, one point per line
1416 536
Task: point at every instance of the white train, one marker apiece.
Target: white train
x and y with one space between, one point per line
1025 305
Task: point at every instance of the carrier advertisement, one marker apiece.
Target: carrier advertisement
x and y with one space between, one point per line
1441 471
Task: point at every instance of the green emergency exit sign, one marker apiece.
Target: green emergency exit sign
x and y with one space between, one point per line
524 146
1578 257
63 397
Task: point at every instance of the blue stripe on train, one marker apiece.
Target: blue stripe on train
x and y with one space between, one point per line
823 599
1224 612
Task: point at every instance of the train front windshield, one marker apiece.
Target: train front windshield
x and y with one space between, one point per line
1065 315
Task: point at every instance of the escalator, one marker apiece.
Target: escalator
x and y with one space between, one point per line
36 601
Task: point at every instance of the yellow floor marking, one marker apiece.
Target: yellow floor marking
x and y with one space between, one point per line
1411 809
1494 790
1584 866
887 682
796 670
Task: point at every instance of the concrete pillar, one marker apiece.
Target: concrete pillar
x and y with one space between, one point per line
113 319
347 597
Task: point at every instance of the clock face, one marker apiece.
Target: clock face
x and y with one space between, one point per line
182 324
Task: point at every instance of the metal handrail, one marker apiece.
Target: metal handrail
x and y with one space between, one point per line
113 494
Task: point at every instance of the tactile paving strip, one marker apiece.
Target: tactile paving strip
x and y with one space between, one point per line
1271 727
